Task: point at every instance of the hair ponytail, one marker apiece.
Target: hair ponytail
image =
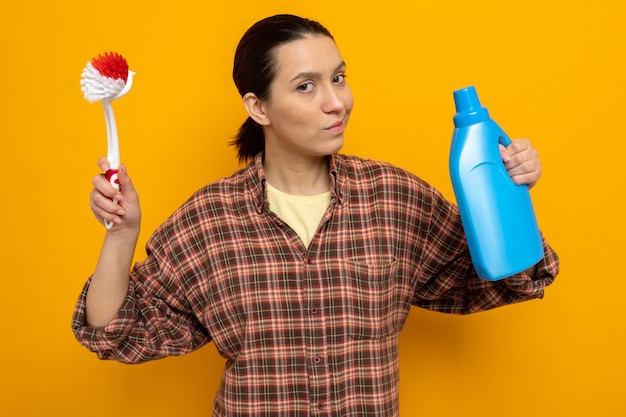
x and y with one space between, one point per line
250 140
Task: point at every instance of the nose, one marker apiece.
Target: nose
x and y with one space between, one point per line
333 100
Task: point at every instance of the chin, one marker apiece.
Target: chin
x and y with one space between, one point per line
328 147
336 145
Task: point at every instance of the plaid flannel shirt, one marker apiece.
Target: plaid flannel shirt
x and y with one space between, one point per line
305 332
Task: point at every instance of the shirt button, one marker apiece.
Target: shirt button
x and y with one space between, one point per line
314 310
317 359
320 406
309 261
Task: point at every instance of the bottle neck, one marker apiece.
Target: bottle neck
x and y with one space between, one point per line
473 116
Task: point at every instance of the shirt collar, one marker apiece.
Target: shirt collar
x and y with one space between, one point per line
255 174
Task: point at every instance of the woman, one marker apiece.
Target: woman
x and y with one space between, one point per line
301 267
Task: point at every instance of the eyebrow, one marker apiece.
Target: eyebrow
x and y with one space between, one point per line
309 74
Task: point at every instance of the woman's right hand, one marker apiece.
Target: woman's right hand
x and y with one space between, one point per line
126 213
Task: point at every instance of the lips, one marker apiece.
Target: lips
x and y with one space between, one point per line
337 127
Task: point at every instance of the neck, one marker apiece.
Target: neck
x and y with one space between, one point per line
307 176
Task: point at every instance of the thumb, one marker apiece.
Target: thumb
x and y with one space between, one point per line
504 154
126 185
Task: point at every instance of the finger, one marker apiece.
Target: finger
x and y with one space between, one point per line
104 187
104 164
126 184
518 145
524 165
105 217
101 202
504 154
528 172
105 209
519 165
523 155
520 151
529 179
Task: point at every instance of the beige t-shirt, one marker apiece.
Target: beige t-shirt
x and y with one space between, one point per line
302 213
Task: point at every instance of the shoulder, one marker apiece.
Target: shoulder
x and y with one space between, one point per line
364 170
225 188
368 178
214 202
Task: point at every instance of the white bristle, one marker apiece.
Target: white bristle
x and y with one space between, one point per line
96 87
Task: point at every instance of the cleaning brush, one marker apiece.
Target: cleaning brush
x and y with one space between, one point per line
107 78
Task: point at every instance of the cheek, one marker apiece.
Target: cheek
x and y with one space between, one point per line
291 117
348 101
299 113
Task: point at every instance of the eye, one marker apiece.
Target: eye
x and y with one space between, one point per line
308 86
339 79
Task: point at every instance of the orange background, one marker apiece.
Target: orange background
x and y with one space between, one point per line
552 71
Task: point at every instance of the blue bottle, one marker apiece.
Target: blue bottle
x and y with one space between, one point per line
497 214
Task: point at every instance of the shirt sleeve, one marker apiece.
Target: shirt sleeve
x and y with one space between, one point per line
447 280
154 321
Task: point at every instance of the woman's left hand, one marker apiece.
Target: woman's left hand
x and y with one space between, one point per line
522 162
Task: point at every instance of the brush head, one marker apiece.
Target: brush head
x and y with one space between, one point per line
106 77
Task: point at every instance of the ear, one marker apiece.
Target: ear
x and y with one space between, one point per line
256 109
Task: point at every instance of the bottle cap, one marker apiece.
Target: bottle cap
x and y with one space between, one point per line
468 108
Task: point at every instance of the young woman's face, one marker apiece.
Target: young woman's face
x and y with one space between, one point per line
310 101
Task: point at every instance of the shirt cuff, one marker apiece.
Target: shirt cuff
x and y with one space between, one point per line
98 339
547 270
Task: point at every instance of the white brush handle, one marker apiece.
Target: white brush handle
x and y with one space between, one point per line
113 150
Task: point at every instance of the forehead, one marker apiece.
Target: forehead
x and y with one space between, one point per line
313 53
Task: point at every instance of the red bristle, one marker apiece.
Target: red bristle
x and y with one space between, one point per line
112 65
